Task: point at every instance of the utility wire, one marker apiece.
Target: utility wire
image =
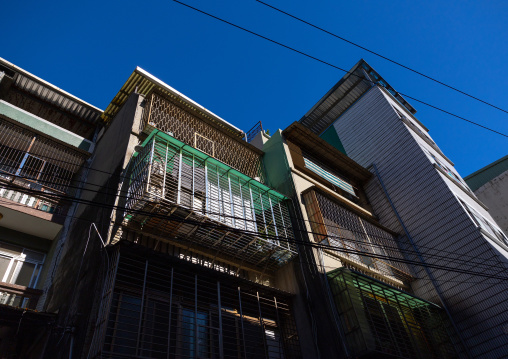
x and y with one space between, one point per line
300 242
381 56
428 250
334 66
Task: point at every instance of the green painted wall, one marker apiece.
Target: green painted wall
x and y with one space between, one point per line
45 127
330 136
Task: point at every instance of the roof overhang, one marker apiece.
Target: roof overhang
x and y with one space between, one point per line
142 82
357 81
49 93
316 146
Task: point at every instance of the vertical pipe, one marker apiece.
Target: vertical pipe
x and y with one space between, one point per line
221 345
170 309
207 200
196 336
263 212
150 165
243 204
165 170
231 201
141 309
241 321
284 225
262 325
273 216
192 195
219 197
179 188
253 209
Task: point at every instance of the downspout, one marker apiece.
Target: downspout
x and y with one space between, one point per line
420 257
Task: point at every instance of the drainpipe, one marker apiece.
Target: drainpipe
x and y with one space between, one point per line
420 257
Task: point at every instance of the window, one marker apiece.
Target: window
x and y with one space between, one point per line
484 224
18 266
319 170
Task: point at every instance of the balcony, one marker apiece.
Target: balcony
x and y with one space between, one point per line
358 243
19 296
380 321
35 171
192 199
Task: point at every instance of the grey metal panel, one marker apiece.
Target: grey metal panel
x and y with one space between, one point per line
371 132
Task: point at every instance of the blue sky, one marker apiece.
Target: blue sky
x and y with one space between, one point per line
90 49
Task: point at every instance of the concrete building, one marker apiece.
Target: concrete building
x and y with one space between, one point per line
46 137
179 247
490 185
416 191
357 282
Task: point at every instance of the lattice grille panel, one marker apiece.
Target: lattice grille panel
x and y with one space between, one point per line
168 117
353 236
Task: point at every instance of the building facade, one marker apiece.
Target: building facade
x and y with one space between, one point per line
46 137
490 185
350 264
188 250
417 192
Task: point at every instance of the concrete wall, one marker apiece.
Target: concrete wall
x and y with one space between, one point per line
372 132
495 196
75 291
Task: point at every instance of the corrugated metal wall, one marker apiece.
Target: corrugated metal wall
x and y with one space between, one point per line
371 132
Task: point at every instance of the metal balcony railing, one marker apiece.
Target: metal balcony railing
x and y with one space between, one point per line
187 196
34 170
19 296
359 243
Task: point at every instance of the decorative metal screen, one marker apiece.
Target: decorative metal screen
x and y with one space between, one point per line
352 237
165 308
382 322
183 194
164 115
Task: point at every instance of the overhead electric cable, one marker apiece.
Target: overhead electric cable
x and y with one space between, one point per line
381 56
305 243
334 66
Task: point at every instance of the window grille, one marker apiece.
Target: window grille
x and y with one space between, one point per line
165 115
352 237
164 307
169 177
381 321
34 159
330 177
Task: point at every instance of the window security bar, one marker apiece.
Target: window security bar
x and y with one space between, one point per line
198 188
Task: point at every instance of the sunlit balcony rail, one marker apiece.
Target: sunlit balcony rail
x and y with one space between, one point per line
19 296
34 170
188 196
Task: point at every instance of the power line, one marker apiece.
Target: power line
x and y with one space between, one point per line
381 56
334 66
436 254
300 242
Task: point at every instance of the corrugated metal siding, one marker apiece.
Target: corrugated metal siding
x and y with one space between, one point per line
371 132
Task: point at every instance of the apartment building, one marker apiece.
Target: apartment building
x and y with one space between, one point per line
416 191
490 185
46 137
180 248
358 284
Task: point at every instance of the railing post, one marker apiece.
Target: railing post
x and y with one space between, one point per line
179 188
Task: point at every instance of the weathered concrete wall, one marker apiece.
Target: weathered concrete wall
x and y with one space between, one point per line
75 289
494 194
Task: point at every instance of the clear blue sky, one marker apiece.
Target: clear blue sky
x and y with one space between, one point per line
89 48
